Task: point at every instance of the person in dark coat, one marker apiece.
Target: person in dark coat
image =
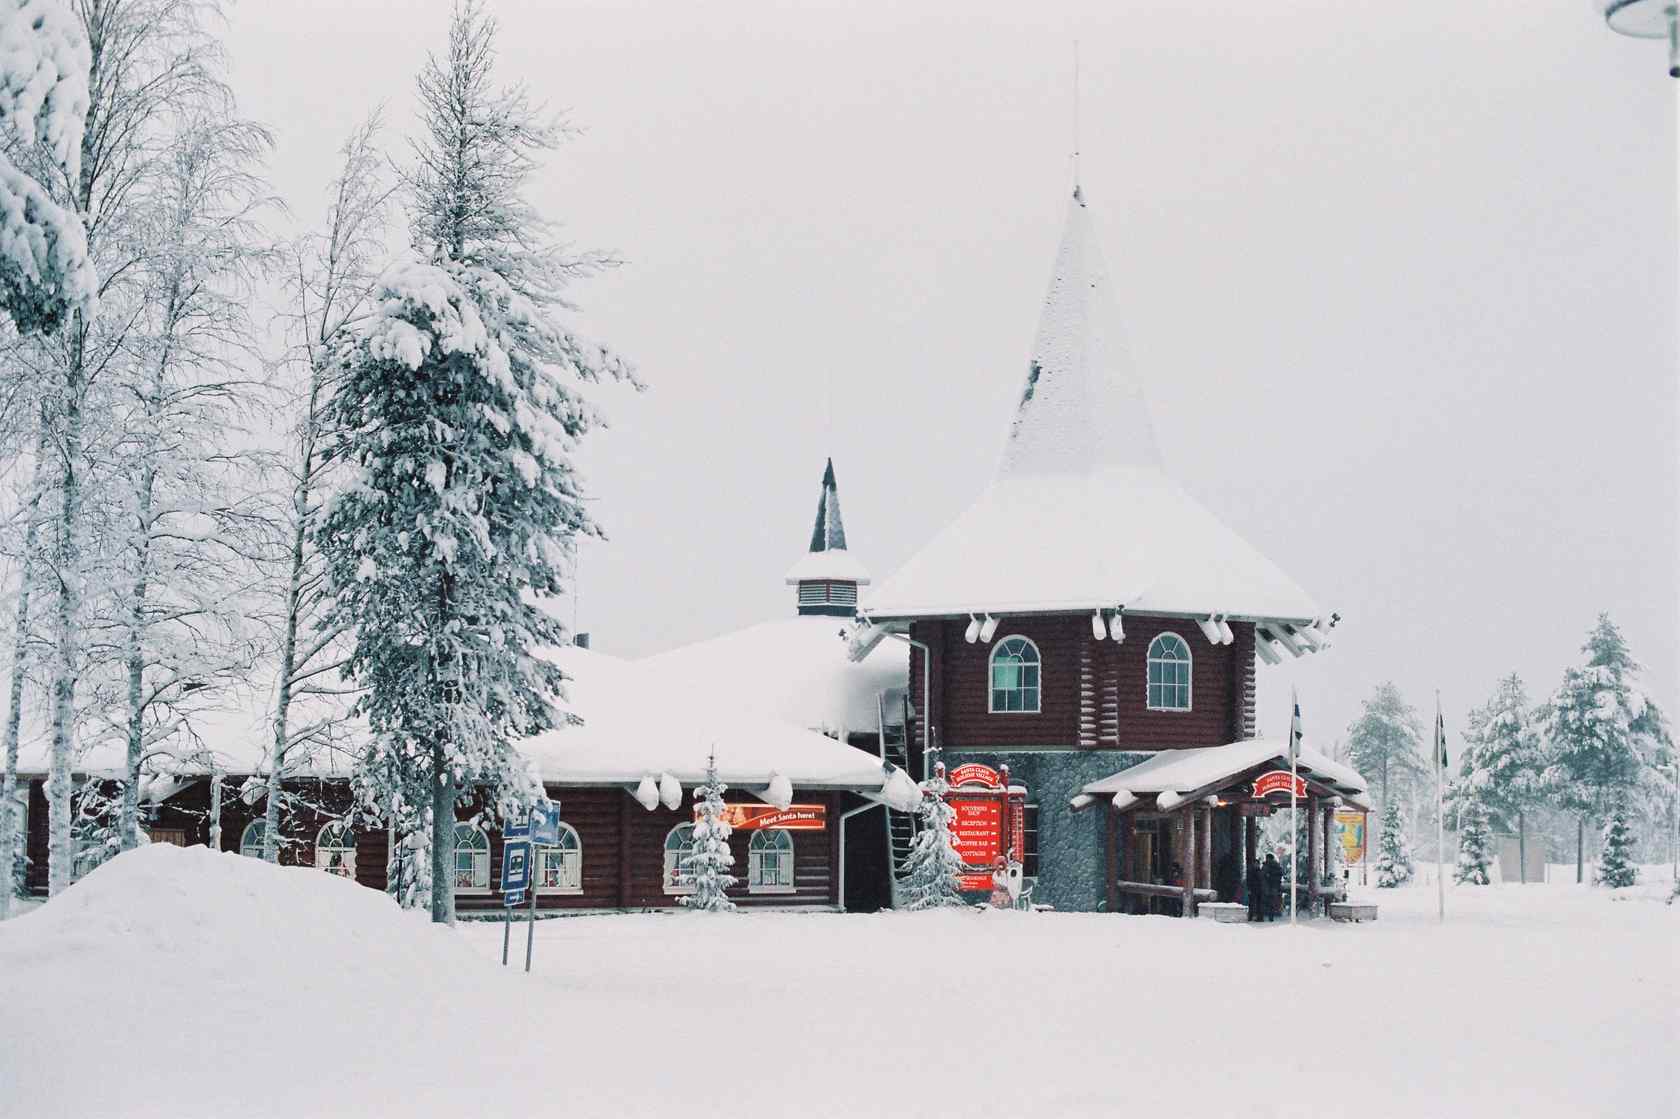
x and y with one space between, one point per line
1256 892
1225 876
1273 874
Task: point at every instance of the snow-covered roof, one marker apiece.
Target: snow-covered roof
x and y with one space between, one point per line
639 723
794 669
1186 771
1081 514
828 567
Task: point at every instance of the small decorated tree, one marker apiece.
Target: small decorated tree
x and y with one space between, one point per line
709 860
1474 843
1394 857
1615 863
933 868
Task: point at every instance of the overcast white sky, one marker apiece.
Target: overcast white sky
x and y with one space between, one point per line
1399 280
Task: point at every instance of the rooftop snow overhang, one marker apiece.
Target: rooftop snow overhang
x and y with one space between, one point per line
1184 777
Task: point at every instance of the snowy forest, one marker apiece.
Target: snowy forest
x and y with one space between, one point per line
1581 770
323 473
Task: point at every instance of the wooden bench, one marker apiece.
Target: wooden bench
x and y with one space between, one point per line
1353 911
1225 912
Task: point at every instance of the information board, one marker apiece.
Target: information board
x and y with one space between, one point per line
978 834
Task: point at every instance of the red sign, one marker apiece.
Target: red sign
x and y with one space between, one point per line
973 773
755 817
1277 781
977 833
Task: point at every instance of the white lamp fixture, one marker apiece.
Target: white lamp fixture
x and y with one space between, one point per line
1116 631
1646 19
972 633
988 629
1225 634
1210 629
1098 630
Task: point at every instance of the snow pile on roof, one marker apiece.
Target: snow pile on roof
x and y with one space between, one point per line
1081 515
794 669
1184 771
828 567
639 724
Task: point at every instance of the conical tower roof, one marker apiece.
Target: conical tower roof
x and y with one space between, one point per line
1080 515
829 533
1081 408
827 559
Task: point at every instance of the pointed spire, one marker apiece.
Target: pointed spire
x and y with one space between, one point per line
828 534
1081 409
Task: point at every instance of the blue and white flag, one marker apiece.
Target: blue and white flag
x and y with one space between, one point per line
1440 740
1294 727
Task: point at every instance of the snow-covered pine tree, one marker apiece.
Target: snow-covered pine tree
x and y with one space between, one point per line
457 411
1501 762
1616 865
1386 742
933 868
1603 733
1475 847
706 866
1394 855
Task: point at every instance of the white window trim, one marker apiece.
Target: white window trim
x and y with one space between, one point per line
454 848
576 849
991 692
755 858
350 847
1190 663
245 833
667 866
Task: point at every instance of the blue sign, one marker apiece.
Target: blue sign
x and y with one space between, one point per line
516 866
512 831
545 824
516 898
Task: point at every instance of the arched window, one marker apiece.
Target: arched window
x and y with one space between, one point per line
770 862
335 849
560 869
251 839
1169 673
472 858
677 843
1014 675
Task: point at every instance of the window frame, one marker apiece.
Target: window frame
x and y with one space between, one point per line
1189 662
672 861
991 668
455 858
757 850
348 846
557 852
244 838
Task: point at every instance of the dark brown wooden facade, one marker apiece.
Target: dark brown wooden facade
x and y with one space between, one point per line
623 844
1093 693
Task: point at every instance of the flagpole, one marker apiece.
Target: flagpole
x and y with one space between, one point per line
1294 832
1440 815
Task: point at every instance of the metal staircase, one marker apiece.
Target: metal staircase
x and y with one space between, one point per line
893 710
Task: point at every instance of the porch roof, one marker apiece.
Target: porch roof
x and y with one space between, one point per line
1203 771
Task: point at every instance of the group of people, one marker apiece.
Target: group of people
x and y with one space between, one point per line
1265 889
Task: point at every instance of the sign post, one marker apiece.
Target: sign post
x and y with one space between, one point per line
516 878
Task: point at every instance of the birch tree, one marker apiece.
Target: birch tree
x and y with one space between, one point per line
458 410
331 278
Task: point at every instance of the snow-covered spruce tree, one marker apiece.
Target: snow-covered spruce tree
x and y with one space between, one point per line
706 866
45 272
455 412
1603 734
1501 762
1475 847
332 277
1394 855
933 868
1616 865
1386 743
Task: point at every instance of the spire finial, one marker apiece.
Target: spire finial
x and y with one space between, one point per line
1076 193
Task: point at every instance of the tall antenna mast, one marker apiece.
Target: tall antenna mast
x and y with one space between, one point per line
1076 116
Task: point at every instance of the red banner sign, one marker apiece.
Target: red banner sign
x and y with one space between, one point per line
755 817
973 773
1277 781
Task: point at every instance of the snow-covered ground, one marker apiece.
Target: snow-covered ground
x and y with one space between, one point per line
180 982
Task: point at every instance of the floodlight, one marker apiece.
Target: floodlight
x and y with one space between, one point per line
972 633
1645 19
1097 627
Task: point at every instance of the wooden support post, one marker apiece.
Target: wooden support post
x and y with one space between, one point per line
1329 838
1205 863
1251 849
1126 855
624 802
1312 855
1187 860
1112 861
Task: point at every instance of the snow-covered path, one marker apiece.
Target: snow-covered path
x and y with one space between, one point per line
284 994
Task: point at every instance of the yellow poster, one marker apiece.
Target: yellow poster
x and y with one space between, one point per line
1350 827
